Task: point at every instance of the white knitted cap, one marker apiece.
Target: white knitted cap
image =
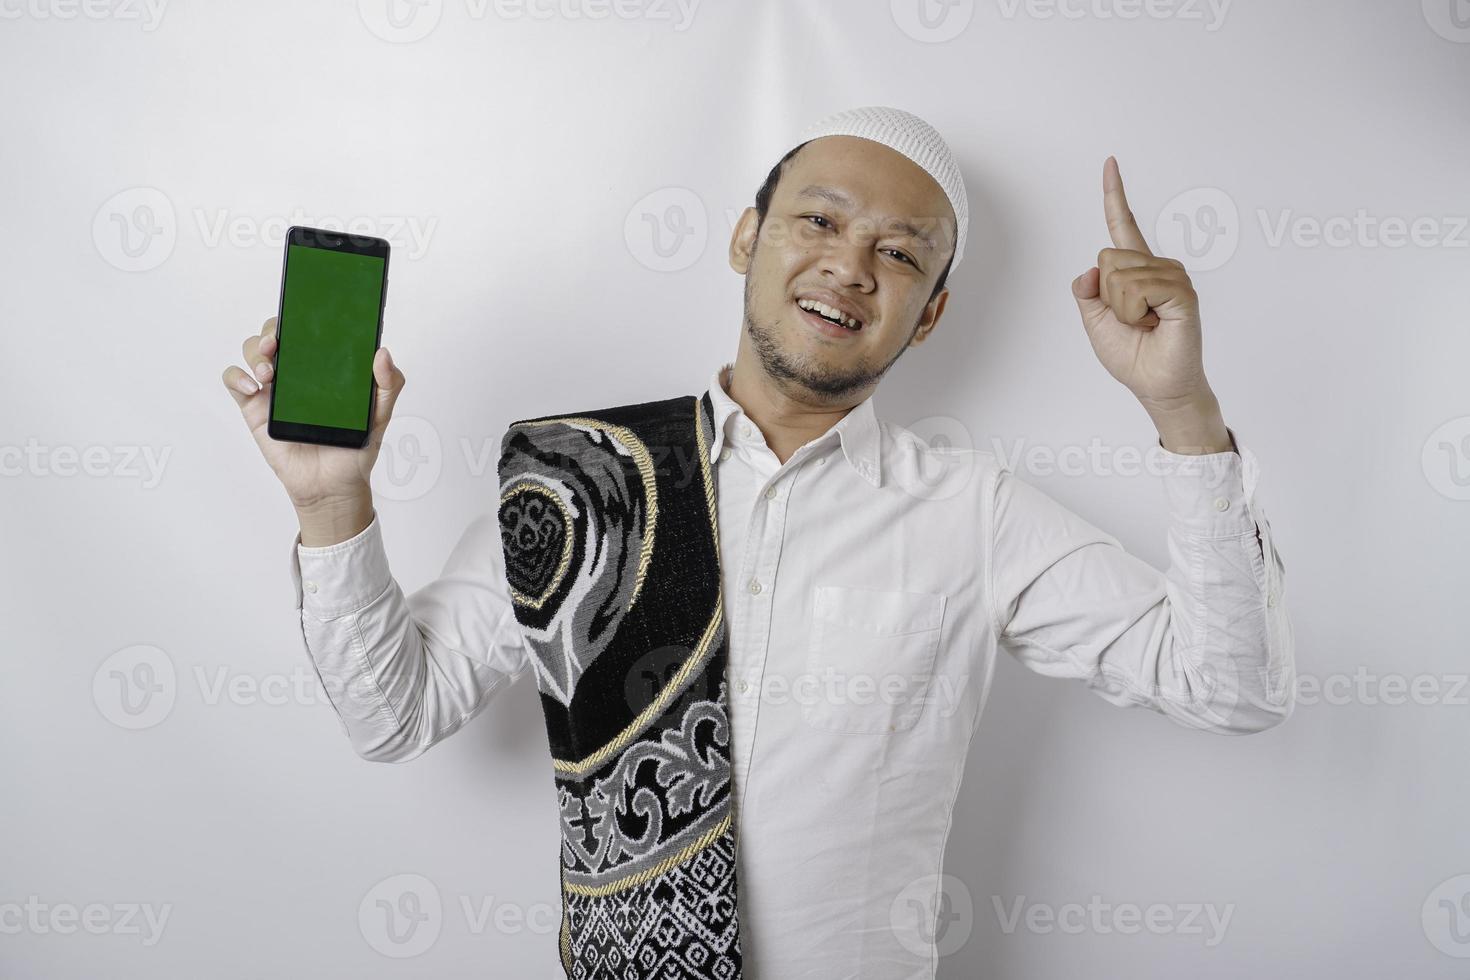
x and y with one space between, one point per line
915 139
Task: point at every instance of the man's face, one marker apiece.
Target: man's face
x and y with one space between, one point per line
855 226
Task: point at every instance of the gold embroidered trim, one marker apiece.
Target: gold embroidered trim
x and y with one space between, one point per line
566 545
566 942
709 481
645 471
657 707
634 880
696 659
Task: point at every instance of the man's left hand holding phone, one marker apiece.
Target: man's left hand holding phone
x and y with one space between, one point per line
320 388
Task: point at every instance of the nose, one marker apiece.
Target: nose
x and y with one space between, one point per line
847 261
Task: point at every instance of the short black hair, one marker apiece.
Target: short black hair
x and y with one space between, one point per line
768 190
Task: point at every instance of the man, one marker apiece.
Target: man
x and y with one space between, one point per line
868 580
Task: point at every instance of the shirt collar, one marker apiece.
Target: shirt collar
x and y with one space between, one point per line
858 431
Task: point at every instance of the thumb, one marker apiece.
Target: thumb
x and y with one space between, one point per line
1086 289
390 384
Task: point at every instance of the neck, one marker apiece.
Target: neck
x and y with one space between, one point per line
786 419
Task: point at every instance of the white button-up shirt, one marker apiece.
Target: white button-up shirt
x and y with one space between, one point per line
869 583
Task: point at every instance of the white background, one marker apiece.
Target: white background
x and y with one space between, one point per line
526 145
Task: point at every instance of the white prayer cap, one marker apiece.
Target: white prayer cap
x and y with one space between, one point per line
915 139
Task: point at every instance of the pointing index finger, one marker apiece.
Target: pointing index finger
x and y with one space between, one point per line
1121 226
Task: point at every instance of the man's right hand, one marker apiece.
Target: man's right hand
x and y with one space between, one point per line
328 485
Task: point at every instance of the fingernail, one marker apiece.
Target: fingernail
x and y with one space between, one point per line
262 369
245 386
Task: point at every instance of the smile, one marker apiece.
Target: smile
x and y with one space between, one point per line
826 326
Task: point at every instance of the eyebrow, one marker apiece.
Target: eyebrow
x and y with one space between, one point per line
833 195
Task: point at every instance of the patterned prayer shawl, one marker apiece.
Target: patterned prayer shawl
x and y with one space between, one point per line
608 522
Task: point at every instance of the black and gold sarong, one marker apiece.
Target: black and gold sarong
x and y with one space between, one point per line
608 522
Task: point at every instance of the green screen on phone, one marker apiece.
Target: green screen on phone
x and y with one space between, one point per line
329 334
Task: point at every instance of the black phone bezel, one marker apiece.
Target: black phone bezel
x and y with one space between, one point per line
336 241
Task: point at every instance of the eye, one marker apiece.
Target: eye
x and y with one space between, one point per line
897 253
818 217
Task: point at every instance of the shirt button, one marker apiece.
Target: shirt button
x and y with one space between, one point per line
1271 599
744 686
1221 503
755 586
770 493
745 430
821 460
309 586
725 453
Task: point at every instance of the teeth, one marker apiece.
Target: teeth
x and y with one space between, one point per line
829 312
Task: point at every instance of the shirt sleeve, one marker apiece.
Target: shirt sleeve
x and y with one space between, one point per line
1206 643
404 672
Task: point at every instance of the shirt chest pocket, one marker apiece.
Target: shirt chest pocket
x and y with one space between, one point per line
870 658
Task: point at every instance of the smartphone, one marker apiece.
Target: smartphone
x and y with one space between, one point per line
329 325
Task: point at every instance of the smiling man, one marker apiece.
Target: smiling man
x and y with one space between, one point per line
859 242
761 673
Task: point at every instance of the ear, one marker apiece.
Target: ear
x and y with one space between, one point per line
742 241
932 312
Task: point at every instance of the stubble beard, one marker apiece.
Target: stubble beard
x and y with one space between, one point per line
798 375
